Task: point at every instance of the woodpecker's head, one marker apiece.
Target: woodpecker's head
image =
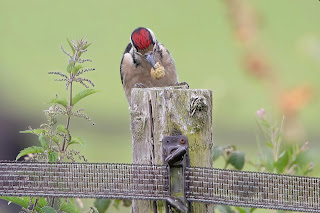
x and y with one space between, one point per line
143 40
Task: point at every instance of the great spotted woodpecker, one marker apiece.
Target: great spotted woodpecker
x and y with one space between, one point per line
143 54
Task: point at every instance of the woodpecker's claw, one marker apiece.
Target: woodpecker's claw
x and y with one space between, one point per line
182 84
139 85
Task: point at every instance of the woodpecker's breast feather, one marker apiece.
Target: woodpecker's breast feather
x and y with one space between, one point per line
157 73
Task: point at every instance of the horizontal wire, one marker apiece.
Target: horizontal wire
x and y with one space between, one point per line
130 181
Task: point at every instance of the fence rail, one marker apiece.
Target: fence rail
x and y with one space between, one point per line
129 181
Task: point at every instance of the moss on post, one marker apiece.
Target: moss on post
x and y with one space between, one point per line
160 112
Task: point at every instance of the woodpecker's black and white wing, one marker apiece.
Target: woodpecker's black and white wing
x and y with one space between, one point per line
128 70
126 51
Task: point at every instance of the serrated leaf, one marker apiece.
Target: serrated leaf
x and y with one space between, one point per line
76 69
69 67
282 162
53 156
217 152
69 207
77 140
236 159
29 150
60 101
43 141
21 201
102 204
69 42
48 209
34 131
82 95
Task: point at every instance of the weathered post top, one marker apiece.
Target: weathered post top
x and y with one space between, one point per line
165 111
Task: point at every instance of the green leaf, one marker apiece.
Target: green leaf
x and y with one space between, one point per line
71 200
269 162
69 42
60 101
43 141
69 207
126 203
116 203
236 159
82 95
21 201
252 209
242 210
102 204
77 140
269 144
233 147
223 209
25 201
41 202
53 156
86 46
76 69
29 150
279 137
34 131
55 139
282 161
48 209
62 128
70 66
217 152
94 210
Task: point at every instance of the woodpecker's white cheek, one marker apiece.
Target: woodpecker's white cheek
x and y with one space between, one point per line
153 36
127 60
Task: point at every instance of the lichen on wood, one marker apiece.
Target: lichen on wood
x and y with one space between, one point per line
160 112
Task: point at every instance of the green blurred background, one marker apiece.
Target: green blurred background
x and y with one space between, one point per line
199 35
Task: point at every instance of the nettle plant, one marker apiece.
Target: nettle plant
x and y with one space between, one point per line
56 140
273 156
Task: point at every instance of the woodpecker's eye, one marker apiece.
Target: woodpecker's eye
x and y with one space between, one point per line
141 38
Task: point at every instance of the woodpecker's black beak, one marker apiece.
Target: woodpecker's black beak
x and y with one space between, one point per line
150 58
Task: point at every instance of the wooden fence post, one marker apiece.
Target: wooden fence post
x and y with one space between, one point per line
160 112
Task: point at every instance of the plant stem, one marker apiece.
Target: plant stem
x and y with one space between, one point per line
75 59
35 204
69 117
52 202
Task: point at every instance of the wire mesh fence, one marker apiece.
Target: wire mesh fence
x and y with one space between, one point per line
84 180
129 181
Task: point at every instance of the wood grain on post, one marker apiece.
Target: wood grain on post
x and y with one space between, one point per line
160 112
